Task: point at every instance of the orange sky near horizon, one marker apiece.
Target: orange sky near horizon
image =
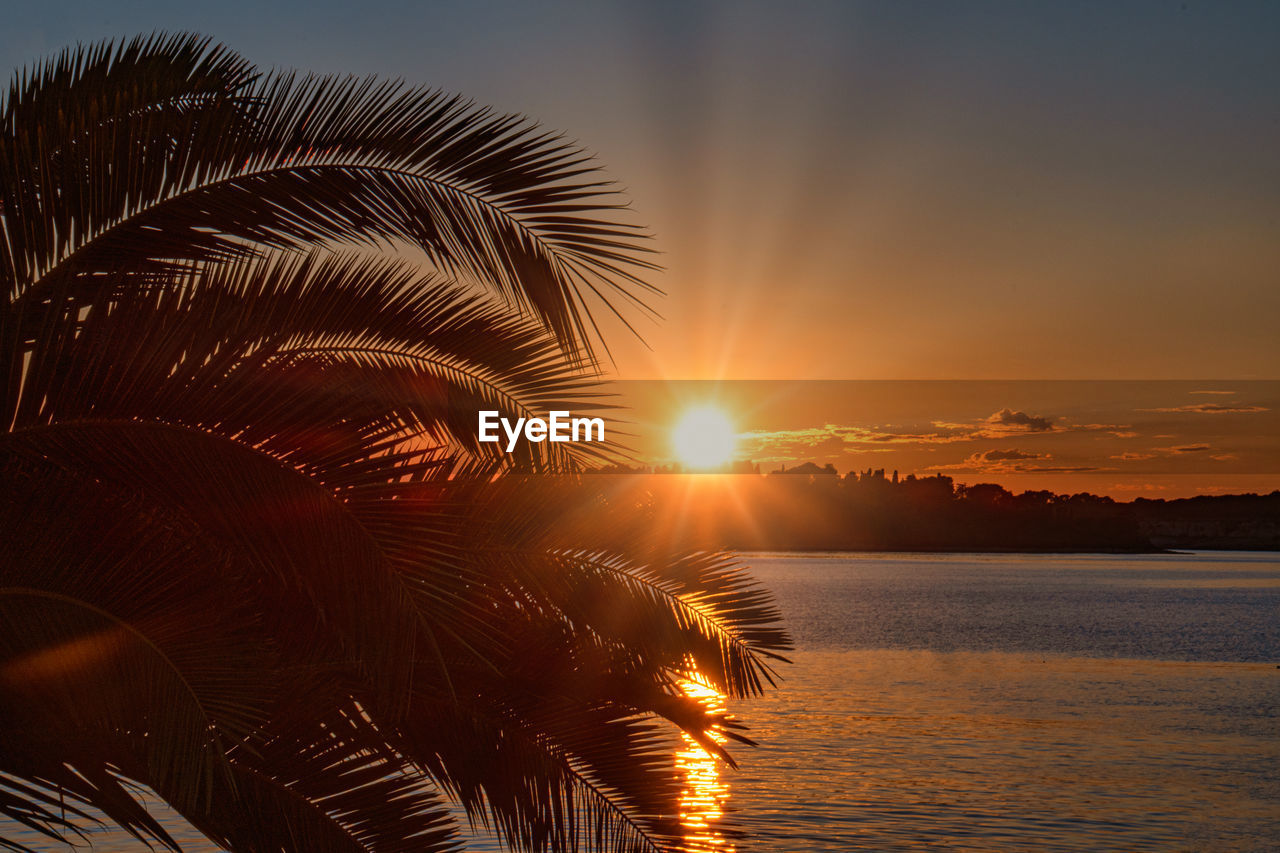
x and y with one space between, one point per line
1125 439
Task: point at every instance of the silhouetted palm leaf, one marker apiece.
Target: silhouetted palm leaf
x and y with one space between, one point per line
140 183
255 557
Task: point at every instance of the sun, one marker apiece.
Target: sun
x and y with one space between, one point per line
704 438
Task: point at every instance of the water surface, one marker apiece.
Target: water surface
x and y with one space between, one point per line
1005 702
1013 702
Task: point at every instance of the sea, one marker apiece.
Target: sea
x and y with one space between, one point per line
997 702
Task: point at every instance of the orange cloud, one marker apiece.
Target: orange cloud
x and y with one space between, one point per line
1021 421
1008 455
1011 462
835 438
1175 450
1212 409
1185 448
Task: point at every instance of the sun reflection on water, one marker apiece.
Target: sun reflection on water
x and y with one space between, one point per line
705 790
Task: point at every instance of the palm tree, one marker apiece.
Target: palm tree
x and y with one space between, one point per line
254 557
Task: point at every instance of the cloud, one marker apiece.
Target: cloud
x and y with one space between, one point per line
1212 392
1021 421
1212 408
1186 448
1011 462
1124 434
946 436
1010 422
834 439
1224 457
1008 455
973 465
1175 450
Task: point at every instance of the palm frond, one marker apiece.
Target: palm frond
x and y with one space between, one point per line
256 558
535 792
323 780
384 352
295 161
296 535
572 550
69 125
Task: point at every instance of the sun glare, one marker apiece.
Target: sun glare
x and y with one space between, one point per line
704 438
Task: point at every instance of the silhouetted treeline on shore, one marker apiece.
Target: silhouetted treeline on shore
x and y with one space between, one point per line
814 508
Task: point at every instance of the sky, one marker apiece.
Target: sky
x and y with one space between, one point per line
1124 438
867 191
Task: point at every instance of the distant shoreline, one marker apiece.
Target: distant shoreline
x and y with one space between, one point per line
816 509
